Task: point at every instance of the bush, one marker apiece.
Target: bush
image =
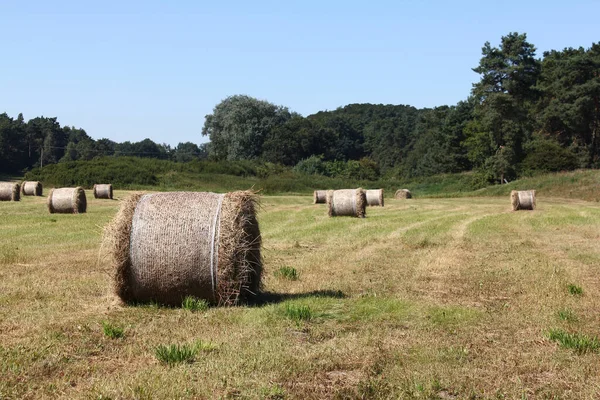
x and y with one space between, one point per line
548 156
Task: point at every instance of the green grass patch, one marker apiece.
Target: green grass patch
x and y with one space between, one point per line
288 273
184 353
9 255
579 342
575 290
297 312
193 304
112 331
567 315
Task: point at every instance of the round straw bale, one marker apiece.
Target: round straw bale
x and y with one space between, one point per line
166 246
346 202
10 191
403 194
320 196
103 191
67 201
31 188
522 199
374 197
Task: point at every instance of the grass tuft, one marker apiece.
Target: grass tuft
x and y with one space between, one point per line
579 342
193 304
185 353
574 289
567 315
286 272
112 331
298 313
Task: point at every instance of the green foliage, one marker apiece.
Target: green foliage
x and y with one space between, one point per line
548 156
580 343
185 353
286 272
112 331
567 315
193 304
298 313
574 289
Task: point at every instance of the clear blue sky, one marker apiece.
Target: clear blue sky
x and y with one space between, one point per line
128 70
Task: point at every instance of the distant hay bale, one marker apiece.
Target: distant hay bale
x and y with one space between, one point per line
346 202
374 197
10 191
403 194
31 188
103 191
522 199
166 246
320 197
67 201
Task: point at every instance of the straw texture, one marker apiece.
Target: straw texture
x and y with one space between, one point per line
67 201
166 246
346 202
103 191
10 191
374 197
403 194
31 188
522 200
320 196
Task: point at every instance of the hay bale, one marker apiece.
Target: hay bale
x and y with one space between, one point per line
10 191
403 194
374 197
67 201
166 246
346 202
31 188
522 199
103 191
320 197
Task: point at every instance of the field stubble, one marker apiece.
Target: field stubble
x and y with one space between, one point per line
434 298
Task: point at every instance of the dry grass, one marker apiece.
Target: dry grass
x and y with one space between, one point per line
437 298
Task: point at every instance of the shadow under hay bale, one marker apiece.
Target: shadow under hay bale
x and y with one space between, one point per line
403 194
10 191
346 202
103 191
166 246
320 197
67 201
522 199
31 188
374 197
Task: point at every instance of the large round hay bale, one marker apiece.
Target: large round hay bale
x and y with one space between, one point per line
10 191
403 194
166 246
374 197
522 199
346 202
31 188
320 196
103 191
67 201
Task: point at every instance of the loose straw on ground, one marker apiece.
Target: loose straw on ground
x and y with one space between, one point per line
10 191
31 188
320 196
346 202
403 194
67 201
522 200
374 197
164 247
103 191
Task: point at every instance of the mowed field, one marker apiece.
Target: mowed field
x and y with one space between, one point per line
425 298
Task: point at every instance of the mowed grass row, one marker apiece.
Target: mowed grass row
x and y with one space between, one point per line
435 298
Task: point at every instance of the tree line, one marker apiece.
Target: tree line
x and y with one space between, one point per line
525 114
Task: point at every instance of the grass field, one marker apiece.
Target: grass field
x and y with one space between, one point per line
427 298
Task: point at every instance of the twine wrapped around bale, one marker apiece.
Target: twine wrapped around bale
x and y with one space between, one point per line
166 246
67 201
374 197
31 188
103 191
403 194
522 199
346 202
10 191
320 196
